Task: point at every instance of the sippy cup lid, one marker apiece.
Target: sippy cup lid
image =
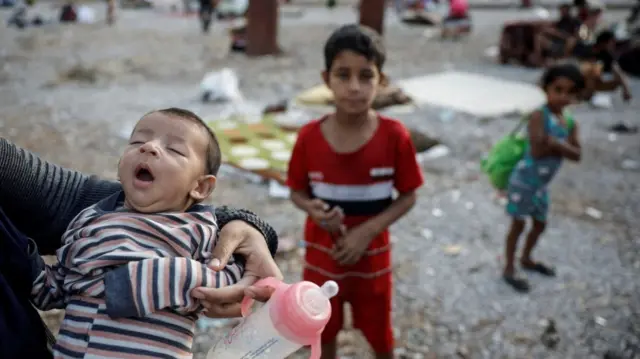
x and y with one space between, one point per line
314 301
304 310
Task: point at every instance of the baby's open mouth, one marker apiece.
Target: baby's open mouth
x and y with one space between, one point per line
144 174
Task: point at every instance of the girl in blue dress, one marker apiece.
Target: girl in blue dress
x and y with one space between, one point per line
551 140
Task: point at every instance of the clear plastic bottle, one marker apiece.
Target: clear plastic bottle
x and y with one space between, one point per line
295 316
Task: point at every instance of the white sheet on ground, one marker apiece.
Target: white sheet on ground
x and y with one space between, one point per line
478 95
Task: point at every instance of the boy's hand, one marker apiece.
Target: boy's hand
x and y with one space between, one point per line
353 244
626 95
329 219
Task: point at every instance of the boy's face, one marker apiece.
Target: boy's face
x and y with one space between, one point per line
163 167
354 82
565 11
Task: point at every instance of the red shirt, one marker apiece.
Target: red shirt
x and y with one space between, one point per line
360 182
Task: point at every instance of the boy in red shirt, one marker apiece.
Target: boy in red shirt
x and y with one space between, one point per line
342 172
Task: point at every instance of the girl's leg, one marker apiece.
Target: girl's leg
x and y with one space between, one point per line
516 229
509 274
526 260
532 239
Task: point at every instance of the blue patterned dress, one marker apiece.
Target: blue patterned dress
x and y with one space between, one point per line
527 192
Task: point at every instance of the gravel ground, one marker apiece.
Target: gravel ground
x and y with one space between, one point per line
70 92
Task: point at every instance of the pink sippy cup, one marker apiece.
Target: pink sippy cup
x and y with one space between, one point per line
295 316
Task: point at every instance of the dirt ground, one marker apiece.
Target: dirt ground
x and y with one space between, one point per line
70 93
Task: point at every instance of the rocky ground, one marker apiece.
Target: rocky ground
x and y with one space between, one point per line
71 92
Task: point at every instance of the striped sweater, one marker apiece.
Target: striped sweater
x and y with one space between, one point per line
125 280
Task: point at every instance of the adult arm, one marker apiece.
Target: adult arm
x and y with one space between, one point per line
574 139
42 198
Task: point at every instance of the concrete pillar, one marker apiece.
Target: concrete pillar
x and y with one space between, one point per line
262 28
372 14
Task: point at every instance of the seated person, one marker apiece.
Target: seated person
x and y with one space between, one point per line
600 68
458 21
585 39
558 39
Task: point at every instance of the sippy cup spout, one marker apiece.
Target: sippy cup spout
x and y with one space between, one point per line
330 289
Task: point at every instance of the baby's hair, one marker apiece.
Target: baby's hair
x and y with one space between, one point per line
566 70
213 155
357 38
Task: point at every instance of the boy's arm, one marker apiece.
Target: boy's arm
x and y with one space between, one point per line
143 287
407 179
298 182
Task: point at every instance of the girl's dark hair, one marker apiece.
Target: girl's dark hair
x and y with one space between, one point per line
566 70
359 39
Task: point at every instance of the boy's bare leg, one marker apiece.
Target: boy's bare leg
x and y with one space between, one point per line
591 78
540 43
329 350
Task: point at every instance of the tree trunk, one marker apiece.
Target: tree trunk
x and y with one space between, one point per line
372 14
262 28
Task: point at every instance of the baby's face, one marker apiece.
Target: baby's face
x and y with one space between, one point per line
163 163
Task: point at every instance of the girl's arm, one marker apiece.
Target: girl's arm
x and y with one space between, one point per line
543 145
574 140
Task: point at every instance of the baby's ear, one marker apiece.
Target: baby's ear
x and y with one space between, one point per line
203 188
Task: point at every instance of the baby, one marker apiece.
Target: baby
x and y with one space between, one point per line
128 263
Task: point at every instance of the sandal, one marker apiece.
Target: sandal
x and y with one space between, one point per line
519 284
539 268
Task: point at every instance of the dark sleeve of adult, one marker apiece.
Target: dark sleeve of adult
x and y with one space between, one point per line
42 198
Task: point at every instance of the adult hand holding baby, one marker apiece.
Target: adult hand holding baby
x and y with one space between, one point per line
236 237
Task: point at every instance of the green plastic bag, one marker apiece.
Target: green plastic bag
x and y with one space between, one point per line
503 157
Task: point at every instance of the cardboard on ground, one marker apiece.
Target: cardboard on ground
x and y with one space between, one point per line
475 94
262 147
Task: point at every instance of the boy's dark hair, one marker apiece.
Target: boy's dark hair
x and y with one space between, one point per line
213 156
357 38
605 36
566 70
